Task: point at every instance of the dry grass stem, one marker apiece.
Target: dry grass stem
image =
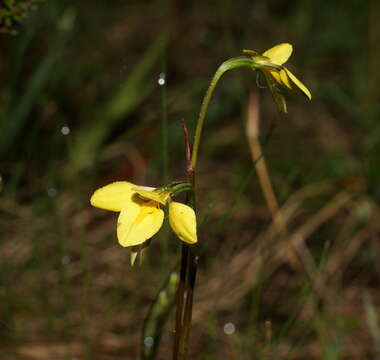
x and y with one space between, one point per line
298 256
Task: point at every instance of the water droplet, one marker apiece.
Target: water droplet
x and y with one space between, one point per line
148 341
65 130
52 192
161 79
66 260
229 328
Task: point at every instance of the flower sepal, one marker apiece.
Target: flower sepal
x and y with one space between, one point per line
142 215
270 63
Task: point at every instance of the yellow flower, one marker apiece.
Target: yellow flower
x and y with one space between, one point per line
271 64
141 215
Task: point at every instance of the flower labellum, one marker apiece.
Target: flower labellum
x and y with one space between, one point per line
141 214
270 63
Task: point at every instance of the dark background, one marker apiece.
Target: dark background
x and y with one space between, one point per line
80 107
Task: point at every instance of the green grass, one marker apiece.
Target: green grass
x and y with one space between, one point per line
66 288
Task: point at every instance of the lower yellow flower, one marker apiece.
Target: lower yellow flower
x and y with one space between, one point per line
182 220
141 215
271 64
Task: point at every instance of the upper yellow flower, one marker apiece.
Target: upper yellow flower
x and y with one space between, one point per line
141 214
271 64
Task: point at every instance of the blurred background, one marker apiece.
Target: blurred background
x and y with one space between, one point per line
95 91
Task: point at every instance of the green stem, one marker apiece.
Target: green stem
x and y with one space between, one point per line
180 188
187 274
158 315
227 65
188 257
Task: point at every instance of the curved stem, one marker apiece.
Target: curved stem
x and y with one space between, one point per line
227 65
188 257
187 274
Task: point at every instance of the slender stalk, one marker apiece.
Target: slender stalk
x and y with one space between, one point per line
187 277
188 311
298 258
158 315
227 65
189 259
182 290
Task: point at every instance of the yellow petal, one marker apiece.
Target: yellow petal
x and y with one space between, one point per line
138 221
113 196
285 79
280 101
299 84
278 97
281 77
159 195
275 75
279 54
183 222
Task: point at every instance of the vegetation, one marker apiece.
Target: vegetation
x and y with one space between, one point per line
95 91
